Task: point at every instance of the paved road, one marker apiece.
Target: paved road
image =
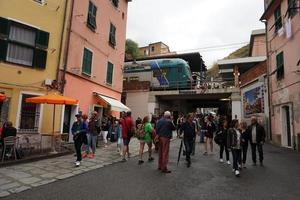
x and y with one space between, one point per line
206 179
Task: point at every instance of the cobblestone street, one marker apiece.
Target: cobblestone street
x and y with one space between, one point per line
22 177
206 179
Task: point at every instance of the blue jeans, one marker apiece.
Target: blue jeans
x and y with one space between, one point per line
94 142
188 143
88 146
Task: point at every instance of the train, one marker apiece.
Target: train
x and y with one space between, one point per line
171 73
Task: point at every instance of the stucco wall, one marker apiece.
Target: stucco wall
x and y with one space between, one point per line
138 103
285 91
259 46
16 79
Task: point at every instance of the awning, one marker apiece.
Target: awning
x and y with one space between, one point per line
115 104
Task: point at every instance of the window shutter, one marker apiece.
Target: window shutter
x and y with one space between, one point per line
280 65
112 35
92 13
109 73
40 58
87 62
4 27
3 50
42 39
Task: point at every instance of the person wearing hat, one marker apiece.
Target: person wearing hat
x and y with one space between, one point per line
165 127
79 128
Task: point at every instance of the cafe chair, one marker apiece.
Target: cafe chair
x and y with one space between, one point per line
9 143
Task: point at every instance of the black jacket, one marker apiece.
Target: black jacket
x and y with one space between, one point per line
232 139
189 131
260 133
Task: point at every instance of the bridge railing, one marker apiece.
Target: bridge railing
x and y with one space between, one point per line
184 85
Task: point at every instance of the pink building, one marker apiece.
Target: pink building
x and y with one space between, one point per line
283 46
95 51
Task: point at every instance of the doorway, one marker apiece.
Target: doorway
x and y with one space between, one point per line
69 118
287 128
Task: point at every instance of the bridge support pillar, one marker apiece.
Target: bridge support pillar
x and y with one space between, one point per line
236 104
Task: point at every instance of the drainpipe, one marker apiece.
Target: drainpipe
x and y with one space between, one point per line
268 81
61 42
66 54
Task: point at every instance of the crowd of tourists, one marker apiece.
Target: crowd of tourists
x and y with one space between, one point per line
231 136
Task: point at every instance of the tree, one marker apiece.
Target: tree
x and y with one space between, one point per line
131 49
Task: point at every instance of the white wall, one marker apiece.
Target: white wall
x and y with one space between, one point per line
138 103
237 109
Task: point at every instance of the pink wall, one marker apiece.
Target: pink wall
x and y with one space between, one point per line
287 90
259 46
83 91
98 42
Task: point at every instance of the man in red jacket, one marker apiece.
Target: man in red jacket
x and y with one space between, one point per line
127 132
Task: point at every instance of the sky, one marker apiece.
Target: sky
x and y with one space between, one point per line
194 25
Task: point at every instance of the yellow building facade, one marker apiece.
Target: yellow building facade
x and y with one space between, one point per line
30 48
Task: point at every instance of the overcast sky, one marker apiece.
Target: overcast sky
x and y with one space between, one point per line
188 25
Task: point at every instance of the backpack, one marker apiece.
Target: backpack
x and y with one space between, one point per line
140 131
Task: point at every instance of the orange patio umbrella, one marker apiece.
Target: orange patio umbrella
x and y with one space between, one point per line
2 97
54 99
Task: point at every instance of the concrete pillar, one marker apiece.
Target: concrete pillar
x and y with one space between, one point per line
236 104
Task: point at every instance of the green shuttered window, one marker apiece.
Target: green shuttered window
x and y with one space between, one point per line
112 35
22 44
115 3
280 66
292 6
87 62
278 19
109 73
92 13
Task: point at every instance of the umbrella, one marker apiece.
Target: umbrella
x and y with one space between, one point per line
2 97
54 99
179 153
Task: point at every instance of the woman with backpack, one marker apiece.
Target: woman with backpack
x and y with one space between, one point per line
143 133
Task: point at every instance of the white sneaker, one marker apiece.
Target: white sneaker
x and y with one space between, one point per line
221 160
237 173
240 166
77 163
228 162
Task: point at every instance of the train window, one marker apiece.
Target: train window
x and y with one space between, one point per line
125 79
162 72
179 69
134 78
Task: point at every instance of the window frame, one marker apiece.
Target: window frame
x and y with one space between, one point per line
108 74
280 66
40 2
112 38
40 116
38 49
277 19
115 3
91 16
152 48
292 4
91 67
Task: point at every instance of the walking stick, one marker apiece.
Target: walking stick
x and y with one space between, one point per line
179 153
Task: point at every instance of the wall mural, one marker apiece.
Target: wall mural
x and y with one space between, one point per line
253 101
